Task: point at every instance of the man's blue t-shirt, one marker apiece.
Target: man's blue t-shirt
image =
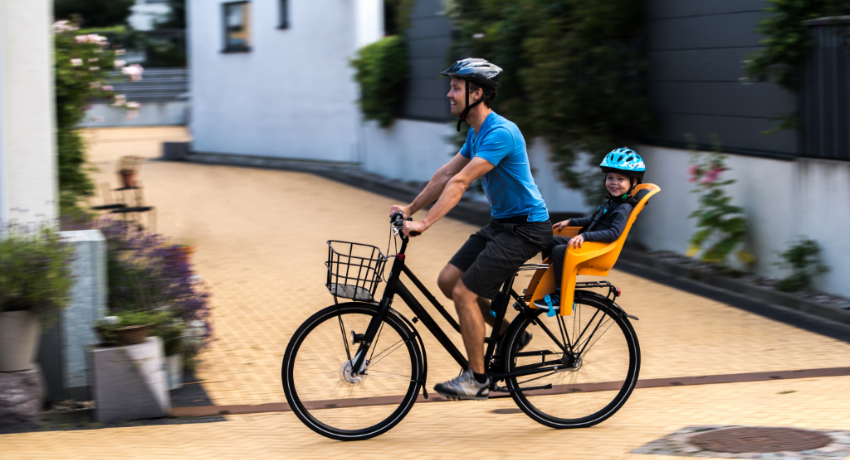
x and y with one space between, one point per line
509 187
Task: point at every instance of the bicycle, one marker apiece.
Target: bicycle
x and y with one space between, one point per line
353 370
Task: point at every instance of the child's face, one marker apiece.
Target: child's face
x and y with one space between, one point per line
617 184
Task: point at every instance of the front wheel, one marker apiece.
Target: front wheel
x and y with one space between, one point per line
328 396
594 360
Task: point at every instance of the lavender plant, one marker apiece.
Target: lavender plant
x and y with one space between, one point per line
147 273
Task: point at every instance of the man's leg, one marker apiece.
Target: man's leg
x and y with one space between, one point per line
447 281
471 326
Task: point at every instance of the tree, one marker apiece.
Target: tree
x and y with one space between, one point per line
95 13
176 18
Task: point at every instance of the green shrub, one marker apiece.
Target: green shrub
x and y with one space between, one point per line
381 71
35 270
803 259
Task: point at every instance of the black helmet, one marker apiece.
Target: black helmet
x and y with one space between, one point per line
476 70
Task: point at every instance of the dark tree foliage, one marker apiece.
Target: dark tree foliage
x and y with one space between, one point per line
94 13
574 73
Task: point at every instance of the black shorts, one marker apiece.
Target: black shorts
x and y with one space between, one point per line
495 252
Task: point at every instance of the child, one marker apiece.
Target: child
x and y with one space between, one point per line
624 170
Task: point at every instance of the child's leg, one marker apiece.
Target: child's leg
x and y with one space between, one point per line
556 241
559 253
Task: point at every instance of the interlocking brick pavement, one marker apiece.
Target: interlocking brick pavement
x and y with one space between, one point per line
464 429
260 241
260 244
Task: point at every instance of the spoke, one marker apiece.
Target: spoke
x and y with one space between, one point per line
344 337
564 336
377 337
371 372
397 345
535 378
578 339
602 320
587 349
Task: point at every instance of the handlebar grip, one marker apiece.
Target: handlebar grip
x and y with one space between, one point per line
415 233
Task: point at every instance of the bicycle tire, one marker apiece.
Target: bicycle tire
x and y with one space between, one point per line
594 384
318 384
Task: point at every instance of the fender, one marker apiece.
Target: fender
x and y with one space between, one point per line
581 293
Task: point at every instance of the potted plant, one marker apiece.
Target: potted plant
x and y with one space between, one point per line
35 282
129 328
172 334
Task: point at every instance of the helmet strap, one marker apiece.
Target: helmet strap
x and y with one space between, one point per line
468 107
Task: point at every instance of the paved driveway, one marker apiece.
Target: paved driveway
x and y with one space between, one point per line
260 241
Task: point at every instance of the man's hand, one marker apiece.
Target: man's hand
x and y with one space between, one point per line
575 242
410 226
561 224
402 209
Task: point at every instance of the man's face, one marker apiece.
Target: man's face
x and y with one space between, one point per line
457 96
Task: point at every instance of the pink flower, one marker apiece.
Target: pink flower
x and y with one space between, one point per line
119 63
107 88
63 26
76 62
94 85
94 69
93 59
82 38
133 105
134 71
120 52
120 100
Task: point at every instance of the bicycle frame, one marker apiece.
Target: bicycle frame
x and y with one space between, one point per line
396 287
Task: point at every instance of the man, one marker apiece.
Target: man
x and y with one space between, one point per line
519 227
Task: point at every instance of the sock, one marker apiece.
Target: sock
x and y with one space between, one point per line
480 378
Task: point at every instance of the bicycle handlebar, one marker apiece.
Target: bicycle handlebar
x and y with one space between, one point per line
397 221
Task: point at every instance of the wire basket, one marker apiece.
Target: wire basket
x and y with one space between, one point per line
354 270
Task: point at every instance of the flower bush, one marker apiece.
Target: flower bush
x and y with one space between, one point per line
721 226
35 269
146 273
83 65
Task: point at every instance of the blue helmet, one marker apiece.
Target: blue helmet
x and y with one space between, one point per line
624 161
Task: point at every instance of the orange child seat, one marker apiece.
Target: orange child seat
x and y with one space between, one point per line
592 258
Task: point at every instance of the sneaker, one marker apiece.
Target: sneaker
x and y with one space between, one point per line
523 340
464 386
551 302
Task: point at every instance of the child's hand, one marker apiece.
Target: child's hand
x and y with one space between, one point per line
575 242
560 225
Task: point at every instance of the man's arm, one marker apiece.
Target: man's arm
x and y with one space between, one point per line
452 191
435 186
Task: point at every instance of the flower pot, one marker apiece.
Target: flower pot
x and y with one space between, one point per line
174 365
124 336
18 340
128 178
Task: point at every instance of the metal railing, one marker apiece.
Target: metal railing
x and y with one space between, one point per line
825 91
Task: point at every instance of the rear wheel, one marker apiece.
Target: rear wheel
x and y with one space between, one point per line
328 396
597 356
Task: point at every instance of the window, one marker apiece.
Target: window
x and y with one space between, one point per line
284 14
237 26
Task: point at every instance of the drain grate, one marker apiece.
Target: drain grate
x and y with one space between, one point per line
757 439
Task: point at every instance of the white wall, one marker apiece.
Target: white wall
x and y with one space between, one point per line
170 113
782 200
27 138
291 96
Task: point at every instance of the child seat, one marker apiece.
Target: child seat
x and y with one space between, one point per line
593 258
